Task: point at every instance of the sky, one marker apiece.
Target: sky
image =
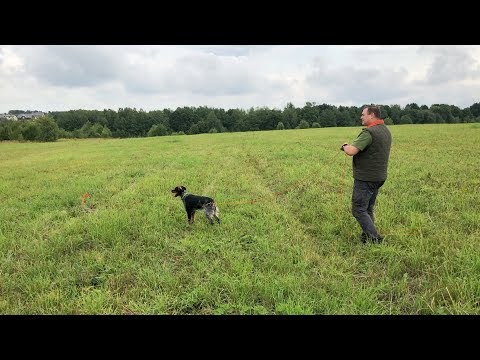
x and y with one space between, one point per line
97 77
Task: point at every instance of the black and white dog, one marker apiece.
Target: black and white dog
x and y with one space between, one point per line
197 202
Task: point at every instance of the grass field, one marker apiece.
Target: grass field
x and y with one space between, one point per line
288 243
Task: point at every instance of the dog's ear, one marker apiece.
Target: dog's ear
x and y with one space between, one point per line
184 188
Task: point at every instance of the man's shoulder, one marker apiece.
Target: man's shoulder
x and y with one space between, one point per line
374 128
365 132
363 140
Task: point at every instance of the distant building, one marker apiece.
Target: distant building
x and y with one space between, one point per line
8 117
32 115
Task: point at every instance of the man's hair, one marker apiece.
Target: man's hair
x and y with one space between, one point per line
375 110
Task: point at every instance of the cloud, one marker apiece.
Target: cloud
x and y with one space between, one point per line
147 70
351 84
152 77
202 74
10 63
450 64
70 66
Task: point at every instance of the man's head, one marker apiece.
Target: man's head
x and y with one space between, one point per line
370 114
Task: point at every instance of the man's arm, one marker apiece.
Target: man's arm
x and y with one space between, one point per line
350 149
361 143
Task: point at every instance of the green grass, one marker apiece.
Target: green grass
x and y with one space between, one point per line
288 243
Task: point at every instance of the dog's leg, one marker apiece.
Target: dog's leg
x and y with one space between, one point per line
209 217
191 216
216 213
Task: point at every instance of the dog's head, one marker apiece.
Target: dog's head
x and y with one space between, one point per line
179 190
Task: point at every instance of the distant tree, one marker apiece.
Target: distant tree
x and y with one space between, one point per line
67 120
96 130
158 130
280 126
416 115
222 116
212 121
405 119
30 131
48 129
444 111
304 124
10 130
106 133
273 117
64 134
309 113
355 115
428 117
456 112
252 121
439 119
194 129
234 119
412 106
111 117
86 130
324 107
158 117
475 109
384 111
327 118
290 116
412 110
466 113
182 118
388 121
395 113
344 119
315 124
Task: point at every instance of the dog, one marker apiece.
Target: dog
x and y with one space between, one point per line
197 202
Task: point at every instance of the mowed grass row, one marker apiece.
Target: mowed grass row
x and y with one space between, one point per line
288 243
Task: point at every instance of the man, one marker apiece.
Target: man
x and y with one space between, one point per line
370 151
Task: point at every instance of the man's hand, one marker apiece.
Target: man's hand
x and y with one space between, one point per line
341 148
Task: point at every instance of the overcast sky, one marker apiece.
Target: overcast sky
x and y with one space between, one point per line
97 77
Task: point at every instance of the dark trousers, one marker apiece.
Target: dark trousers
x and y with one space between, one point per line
363 201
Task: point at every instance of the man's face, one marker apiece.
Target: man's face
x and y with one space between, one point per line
365 116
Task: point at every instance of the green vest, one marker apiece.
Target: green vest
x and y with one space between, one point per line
371 163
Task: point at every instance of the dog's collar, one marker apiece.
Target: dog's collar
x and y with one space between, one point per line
185 194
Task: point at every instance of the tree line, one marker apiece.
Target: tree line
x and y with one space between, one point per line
130 122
